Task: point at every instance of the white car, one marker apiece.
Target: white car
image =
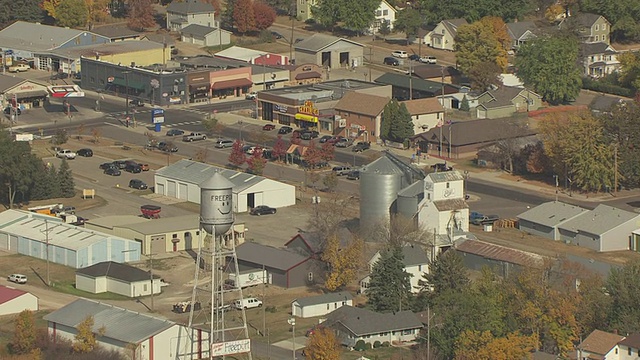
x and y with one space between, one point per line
66 154
17 278
400 54
428 60
251 96
19 68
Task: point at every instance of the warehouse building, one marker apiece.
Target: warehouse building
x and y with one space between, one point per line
182 180
31 234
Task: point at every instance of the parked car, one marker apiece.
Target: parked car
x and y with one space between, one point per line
296 134
361 146
335 139
268 127
9 110
133 168
391 61
400 54
485 219
325 138
105 166
353 175
138 184
247 303
285 130
262 210
165 146
277 35
17 278
475 215
120 164
341 170
145 167
428 60
251 96
309 134
175 132
224 143
343 143
136 102
113 171
66 154
86 152
414 57
19 68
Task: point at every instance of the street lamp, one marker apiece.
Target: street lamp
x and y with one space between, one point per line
292 322
126 79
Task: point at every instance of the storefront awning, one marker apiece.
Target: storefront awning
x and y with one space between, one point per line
31 94
308 118
308 75
229 84
199 87
292 148
132 84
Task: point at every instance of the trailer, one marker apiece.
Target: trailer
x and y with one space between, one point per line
150 211
248 278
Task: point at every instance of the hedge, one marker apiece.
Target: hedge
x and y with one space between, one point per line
599 86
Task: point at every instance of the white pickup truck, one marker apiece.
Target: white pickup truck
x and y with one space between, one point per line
66 154
194 137
19 68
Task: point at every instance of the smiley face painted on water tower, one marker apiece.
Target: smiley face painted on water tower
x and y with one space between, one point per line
223 203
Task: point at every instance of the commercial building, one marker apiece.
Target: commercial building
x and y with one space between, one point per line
25 93
329 51
251 56
35 235
182 180
15 301
117 278
362 114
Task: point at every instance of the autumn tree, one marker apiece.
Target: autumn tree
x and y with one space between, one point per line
216 5
483 75
85 338
257 162
279 148
629 72
343 261
389 284
330 181
577 144
623 287
323 345
237 157
243 16
258 137
536 161
327 152
97 135
72 13
312 155
265 15
549 66
213 126
480 43
51 6
140 16
24 333
476 345
330 214
397 232
96 10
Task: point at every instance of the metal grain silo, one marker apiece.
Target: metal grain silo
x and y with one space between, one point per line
409 198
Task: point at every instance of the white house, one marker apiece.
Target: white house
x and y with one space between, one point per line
444 209
443 36
184 13
598 59
320 305
117 278
384 12
14 301
136 335
425 113
182 180
352 324
415 261
599 345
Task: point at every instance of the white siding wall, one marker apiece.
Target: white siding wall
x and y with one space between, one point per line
317 309
23 302
429 121
618 238
417 271
389 336
88 284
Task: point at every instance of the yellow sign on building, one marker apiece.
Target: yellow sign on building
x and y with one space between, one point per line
308 112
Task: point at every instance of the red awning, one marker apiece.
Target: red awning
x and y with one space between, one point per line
228 84
308 75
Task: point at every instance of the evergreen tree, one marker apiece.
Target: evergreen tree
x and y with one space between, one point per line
42 185
65 180
464 104
446 273
52 177
385 28
389 285
396 122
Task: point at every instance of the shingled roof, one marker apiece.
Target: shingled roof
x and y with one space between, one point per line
363 104
117 271
190 7
365 322
600 342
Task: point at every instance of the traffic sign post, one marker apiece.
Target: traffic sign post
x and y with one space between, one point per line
157 118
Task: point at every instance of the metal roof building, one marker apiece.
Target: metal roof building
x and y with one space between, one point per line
31 234
182 180
136 335
544 219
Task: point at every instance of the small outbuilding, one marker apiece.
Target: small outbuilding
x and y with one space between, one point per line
329 51
182 180
117 278
320 305
14 301
544 219
204 35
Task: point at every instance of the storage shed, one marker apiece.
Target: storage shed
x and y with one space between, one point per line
544 219
14 301
117 278
182 180
319 305
329 51
32 234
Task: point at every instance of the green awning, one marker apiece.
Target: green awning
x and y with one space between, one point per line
132 84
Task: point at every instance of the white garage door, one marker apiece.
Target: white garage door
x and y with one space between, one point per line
4 241
160 189
184 191
171 188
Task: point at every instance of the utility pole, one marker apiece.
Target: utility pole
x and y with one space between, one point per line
370 61
450 154
445 110
429 332
615 169
293 19
292 322
556 179
410 80
264 311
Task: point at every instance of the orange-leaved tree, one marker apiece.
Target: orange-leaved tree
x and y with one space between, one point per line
323 345
343 261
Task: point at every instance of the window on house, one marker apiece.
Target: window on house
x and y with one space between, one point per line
407 332
597 27
92 79
448 185
328 306
428 196
335 305
604 27
616 351
597 38
385 12
175 236
378 13
344 303
144 287
310 276
419 267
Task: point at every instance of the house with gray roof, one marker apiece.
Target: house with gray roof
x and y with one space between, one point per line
352 324
598 59
285 268
25 40
506 101
319 305
329 51
520 32
117 278
415 261
443 36
544 220
312 243
134 334
604 228
589 27
403 85
182 180
184 13
204 35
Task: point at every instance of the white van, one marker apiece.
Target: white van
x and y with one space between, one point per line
400 54
247 303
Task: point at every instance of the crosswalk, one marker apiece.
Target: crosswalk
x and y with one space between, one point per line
140 115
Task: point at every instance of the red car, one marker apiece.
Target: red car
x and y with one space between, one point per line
268 127
335 139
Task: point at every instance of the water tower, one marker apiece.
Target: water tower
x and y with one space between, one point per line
228 326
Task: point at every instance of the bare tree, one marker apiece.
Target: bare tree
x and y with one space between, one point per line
510 143
398 231
329 215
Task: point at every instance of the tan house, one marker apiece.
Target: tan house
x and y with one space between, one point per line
303 9
506 101
590 28
425 113
363 114
444 35
599 59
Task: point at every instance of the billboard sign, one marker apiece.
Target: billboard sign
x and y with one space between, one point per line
157 116
231 347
